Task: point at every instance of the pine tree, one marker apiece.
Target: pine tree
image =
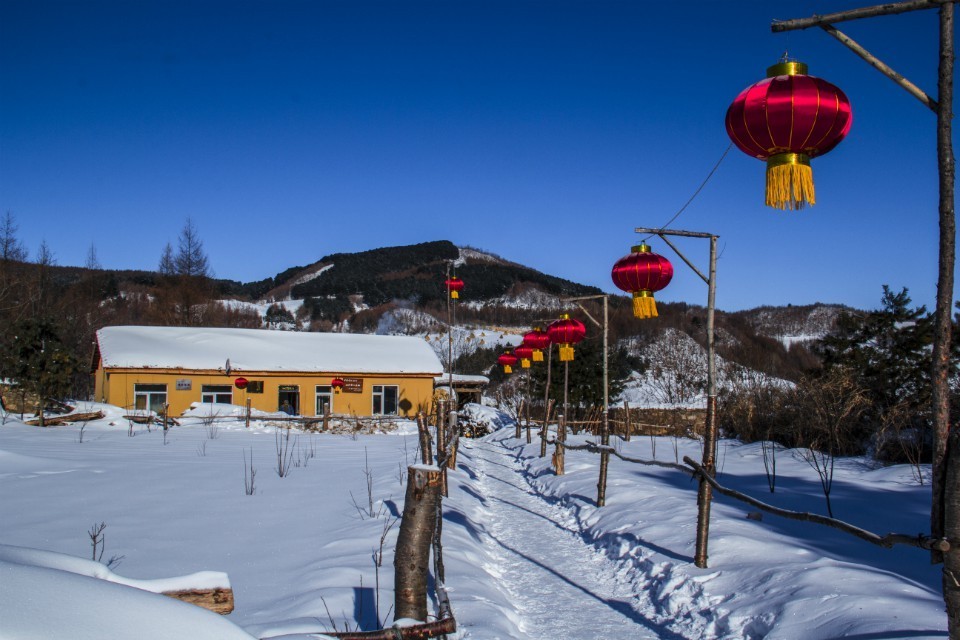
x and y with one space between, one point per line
38 362
887 351
191 261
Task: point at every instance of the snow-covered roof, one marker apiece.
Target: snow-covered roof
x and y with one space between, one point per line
460 377
264 350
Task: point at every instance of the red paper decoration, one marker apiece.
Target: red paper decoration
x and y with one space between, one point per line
538 340
641 273
566 332
241 383
337 384
786 119
525 354
454 286
507 359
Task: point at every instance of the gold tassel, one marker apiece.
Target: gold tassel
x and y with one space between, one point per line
538 355
524 363
644 305
566 353
789 182
507 369
454 294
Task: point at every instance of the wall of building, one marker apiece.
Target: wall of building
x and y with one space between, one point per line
117 387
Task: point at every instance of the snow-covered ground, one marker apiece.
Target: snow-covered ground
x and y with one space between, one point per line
527 553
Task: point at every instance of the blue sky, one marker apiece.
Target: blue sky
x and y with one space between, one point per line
544 132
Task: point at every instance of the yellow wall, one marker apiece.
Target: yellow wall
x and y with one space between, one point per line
116 387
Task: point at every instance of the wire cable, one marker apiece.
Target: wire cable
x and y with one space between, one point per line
697 192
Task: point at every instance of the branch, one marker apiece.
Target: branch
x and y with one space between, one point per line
888 9
887 541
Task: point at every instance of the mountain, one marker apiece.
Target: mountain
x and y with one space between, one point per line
401 290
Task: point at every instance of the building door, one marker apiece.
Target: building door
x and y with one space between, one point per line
288 399
324 399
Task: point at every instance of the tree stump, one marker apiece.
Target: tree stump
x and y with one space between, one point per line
411 561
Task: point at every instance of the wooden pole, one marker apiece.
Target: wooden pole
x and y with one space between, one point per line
519 422
944 492
426 448
442 444
856 14
529 401
880 66
547 404
628 427
945 495
246 421
562 425
704 491
412 560
605 429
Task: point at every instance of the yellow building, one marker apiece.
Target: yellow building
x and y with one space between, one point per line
145 368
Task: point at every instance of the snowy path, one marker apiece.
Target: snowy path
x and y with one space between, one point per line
542 564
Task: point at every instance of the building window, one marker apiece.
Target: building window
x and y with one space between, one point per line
324 399
149 397
385 400
216 393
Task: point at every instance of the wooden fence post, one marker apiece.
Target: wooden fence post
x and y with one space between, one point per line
629 427
519 413
426 448
247 419
411 561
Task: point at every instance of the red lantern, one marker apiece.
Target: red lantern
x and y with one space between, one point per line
241 383
525 354
507 359
641 273
538 340
566 332
454 286
337 384
786 119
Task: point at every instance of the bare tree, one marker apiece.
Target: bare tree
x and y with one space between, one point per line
166 266
828 406
11 249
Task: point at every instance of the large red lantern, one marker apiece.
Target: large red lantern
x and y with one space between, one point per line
566 332
454 286
337 384
641 273
525 354
538 340
507 359
786 119
241 383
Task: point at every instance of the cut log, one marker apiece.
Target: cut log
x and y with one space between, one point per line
52 421
217 600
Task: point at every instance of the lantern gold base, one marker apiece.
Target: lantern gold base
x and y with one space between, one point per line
644 307
566 354
789 182
454 295
507 368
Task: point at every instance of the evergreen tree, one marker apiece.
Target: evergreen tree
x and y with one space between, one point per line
38 362
887 351
191 260
585 382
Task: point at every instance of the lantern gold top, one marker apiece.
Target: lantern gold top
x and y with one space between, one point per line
643 247
787 68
